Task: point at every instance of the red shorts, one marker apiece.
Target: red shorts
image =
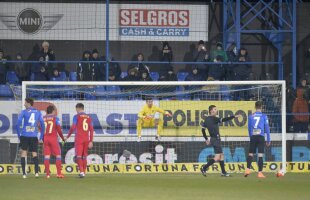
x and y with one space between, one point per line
81 148
51 147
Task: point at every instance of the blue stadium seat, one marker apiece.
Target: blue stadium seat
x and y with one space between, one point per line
154 76
12 78
5 91
73 76
182 75
100 92
63 76
114 92
124 74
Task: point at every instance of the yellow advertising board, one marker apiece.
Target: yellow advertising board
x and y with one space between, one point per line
188 117
158 168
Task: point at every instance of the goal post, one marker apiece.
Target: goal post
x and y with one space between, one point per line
114 107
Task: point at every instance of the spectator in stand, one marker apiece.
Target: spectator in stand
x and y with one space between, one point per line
242 71
56 75
39 70
194 75
22 71
140 65
300 110
133 75
166 56
232 55
169 76
219 52
217 71
48 55
145 76
85 69
112 76
201 55
99 67
305 88
3 67
290 98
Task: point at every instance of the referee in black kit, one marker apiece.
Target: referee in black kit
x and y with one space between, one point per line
212 124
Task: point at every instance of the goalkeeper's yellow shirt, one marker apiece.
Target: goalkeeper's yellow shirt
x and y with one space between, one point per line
146 111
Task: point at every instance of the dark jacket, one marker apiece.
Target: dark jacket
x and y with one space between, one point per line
242 71
48 56
86 70
36 69
100 69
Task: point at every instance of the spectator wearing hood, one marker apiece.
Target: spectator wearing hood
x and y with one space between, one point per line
48 54
219 52
133 75
98 67
201 55
217 71
21 69
3 67
300 110
194 75
169 76
112 76
166 56
242 71
85 69
39 70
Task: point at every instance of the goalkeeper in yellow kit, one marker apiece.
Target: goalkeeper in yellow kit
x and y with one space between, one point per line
149 117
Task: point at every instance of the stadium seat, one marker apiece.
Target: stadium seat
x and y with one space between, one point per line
12 78
5 91
154 76
114 92
182 75
73 76
63 76
100 92
124 74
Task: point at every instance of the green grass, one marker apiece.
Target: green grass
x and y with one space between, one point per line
157 187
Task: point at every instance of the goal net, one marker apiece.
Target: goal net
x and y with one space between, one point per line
114 108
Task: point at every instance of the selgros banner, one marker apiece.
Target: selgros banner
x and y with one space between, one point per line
119 118
137 22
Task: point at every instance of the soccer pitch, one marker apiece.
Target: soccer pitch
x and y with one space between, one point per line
157 187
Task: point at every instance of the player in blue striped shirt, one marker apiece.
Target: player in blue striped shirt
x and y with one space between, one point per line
29 120
258 126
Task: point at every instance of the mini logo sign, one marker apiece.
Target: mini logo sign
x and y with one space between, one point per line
29 21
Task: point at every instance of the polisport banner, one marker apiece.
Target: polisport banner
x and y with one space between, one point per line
158 168
137 22
188 117
118 118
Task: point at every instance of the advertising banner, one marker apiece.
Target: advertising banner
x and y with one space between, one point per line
119 118
127 22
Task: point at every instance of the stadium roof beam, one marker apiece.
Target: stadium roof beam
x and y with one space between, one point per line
274 19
